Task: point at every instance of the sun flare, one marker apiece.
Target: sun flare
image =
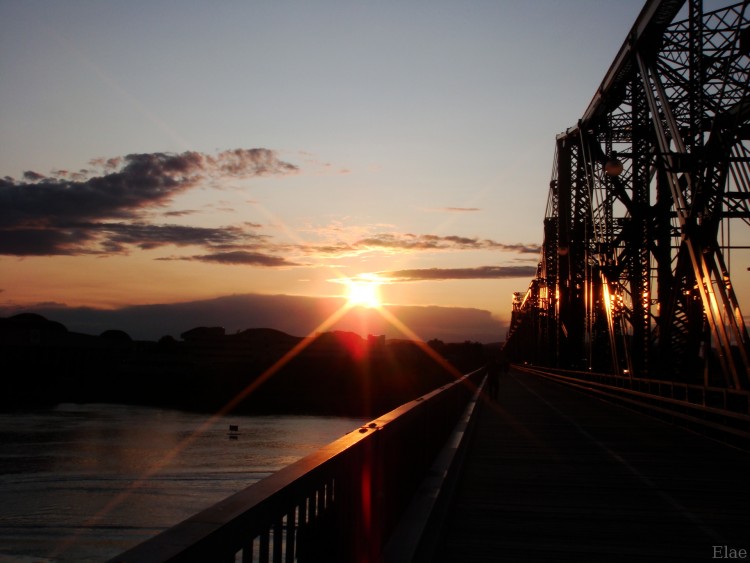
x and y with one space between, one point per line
363 294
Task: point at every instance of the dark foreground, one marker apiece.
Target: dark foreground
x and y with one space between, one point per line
256 371
555 475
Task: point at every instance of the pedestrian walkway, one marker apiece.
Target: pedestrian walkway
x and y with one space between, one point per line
555 475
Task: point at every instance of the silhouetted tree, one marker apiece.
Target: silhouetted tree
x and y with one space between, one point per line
116 336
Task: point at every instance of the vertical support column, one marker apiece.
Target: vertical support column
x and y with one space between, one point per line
639 241
563 250
548 276
574 236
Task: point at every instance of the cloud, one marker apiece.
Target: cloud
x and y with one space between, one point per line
32 176
181 213
406 243
395 242
61 214
242 257
117 238
145 236
456 209
110 207
483 272
43 242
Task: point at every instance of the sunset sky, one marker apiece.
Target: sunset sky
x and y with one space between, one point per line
180 152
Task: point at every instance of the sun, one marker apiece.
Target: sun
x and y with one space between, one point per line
363 294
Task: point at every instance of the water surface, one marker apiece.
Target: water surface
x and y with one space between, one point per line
85 482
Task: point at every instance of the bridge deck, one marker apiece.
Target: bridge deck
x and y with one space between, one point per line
555 475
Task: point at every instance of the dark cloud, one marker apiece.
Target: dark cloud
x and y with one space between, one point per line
329 249
181 213
518 247
483 272
63 214
146 236
407 242
32 176
142 180
294 315
116 238
44 242
434 242
242 257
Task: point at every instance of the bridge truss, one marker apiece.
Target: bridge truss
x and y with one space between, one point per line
649 196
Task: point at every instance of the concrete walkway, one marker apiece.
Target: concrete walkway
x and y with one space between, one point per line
555 475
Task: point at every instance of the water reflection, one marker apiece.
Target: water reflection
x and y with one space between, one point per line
61 469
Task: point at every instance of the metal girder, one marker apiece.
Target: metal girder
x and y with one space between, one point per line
634 276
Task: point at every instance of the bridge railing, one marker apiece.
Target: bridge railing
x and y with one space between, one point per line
340 503
721 413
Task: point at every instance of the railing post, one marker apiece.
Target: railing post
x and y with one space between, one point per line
291 523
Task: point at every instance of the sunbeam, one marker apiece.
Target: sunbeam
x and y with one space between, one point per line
406 331
214 419
250 388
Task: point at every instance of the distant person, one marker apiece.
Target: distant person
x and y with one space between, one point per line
504 366
493 369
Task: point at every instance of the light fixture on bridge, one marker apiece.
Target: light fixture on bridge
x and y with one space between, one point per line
613 166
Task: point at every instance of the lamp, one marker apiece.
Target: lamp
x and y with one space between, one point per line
613 166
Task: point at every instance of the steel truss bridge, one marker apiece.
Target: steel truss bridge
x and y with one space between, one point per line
633 302
649 196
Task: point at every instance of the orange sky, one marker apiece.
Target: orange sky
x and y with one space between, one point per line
251 149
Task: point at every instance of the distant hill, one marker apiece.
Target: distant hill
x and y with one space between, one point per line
292 314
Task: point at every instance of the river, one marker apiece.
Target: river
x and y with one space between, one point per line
85 482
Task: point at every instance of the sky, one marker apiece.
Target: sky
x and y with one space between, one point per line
176 154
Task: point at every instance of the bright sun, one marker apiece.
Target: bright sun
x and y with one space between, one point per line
363 294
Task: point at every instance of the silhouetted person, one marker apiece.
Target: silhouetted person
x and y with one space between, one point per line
493 369
504 366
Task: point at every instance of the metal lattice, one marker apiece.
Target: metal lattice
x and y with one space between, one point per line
634 276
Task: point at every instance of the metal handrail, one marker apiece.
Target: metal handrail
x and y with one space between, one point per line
337 504
727 425
733 400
